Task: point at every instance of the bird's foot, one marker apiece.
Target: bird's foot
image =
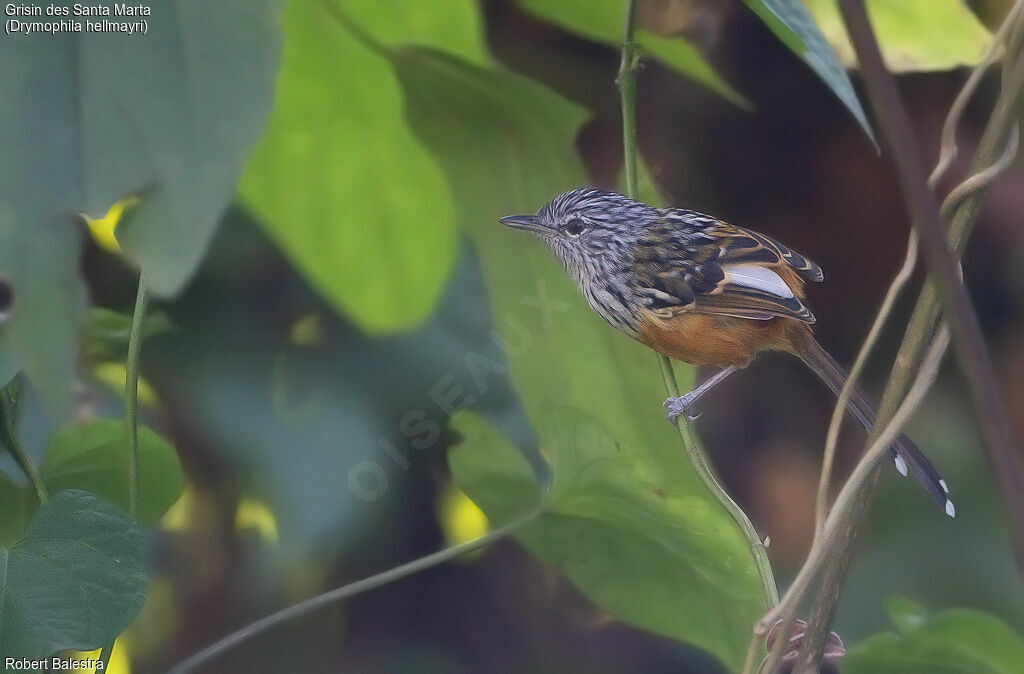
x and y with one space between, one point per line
679 407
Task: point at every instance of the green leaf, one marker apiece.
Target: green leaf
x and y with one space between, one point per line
94 457
39 261
795 27
340 183
914 34
957 641
73 580
906 614
601 21
105 333
86 120
644 548
170 116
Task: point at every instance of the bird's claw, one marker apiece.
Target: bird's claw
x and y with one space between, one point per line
678 407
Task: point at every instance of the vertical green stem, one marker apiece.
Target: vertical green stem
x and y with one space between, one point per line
9 398
627 88
131 394
104 658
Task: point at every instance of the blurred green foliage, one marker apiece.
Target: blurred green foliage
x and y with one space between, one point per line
601 21
956 641
93 457
90 120
340 182
915 35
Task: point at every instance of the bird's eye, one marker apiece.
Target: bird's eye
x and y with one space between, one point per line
575 227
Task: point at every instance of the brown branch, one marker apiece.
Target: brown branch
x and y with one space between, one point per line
960 210
943 268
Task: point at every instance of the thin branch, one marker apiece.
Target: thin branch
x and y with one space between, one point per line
825 605
346 591
960 210
131 393
948 151
627 88
9 398
943 268
839 412
847 499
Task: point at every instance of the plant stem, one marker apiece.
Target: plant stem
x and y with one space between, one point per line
832 438
131 393
104 658
627 88
627 92
10 397
960 209
943 268
350 590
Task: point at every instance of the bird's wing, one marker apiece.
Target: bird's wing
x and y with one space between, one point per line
689 262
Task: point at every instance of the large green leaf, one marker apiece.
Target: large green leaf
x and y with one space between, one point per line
73 580
506 145
601 20
94 457
914 34
957 641
622 530
795 27
339 181
39 261
87 118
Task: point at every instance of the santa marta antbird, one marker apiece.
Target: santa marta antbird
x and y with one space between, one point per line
701 291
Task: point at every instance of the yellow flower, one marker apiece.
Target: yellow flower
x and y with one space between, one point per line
102 229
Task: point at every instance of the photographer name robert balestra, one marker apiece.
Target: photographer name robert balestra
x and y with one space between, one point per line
54 664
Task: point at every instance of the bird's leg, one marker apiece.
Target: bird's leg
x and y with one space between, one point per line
679 406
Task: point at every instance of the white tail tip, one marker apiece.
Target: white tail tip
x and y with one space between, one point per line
901 465
950 510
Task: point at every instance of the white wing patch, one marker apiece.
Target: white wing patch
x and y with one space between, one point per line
757 277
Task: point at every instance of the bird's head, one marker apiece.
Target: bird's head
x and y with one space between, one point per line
587 228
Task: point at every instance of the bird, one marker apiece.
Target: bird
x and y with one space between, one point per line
702 291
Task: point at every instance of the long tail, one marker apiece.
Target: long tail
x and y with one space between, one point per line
905 453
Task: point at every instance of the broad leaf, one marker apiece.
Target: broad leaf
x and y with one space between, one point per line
88 118
914 34
39 262
601 20
94 457
73 580
506 145
795 27
621 529
957 641
339 182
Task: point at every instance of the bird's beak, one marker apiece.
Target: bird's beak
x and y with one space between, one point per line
530 223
